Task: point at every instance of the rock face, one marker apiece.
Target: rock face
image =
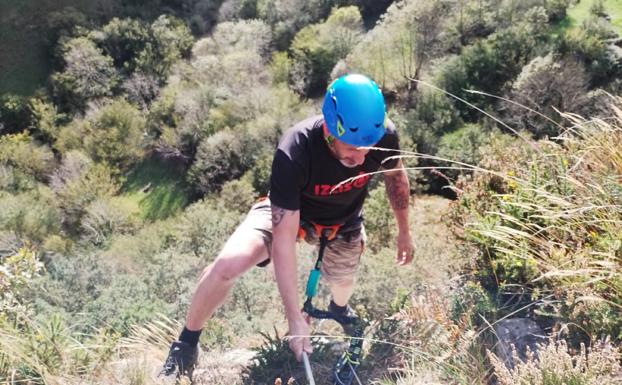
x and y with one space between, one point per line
517 334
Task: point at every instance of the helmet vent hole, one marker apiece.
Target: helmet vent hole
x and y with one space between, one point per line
354 129
378 125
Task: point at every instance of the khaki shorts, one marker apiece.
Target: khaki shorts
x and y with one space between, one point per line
341 256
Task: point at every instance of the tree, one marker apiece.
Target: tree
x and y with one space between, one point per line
14 114
221 158
124 40
406 38
286 17
488 65
87 74
114 135
318 47
545 85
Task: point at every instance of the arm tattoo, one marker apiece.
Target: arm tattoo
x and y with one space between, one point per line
277 214
398 190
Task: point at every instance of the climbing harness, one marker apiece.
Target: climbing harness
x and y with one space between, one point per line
344 370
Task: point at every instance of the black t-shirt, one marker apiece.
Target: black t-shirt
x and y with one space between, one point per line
304 172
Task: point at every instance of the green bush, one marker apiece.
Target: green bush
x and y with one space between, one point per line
222 157
542 221
126 302
71 283
285 18
16 272
463 145
546 86
14 114
77 191
114 135
22 153
379 223
405 39
318 47
238 196
124 40
260 173
433 116
87 74
588 45
45 119
170 41
106 217
280 67
204 228
488 64
32 216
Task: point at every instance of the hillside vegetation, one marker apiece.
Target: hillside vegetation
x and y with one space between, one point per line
153 133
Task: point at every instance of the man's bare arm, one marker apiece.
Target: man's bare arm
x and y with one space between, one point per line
398 189
398 192
284 229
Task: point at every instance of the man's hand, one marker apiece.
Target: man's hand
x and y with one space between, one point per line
299 338
405 248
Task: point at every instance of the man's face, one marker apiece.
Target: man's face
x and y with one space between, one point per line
348 155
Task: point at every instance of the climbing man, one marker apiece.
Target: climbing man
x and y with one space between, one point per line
312 160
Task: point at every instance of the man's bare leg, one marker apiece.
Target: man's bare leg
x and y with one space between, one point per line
243 250
342 291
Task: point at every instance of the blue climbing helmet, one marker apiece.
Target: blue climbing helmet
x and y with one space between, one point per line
354 110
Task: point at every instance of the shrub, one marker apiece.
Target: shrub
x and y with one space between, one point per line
489 64
285 18
222 157
31 216
141 89
114 135
318 47
557 364
124 40
259 174
433 116
126 302
170 41
71 283
87 74
280 67
14 114
588 45
16 272
544 86
379 223
45 119
105 217
404 40
204 228
556 9
22 153
463 145
543 219
238 196
76 192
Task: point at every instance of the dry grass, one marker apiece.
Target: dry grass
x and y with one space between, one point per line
556 364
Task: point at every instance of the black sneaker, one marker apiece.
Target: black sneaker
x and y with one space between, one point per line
181 360
346 316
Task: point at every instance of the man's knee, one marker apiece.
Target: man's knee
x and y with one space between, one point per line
230 267
341 281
